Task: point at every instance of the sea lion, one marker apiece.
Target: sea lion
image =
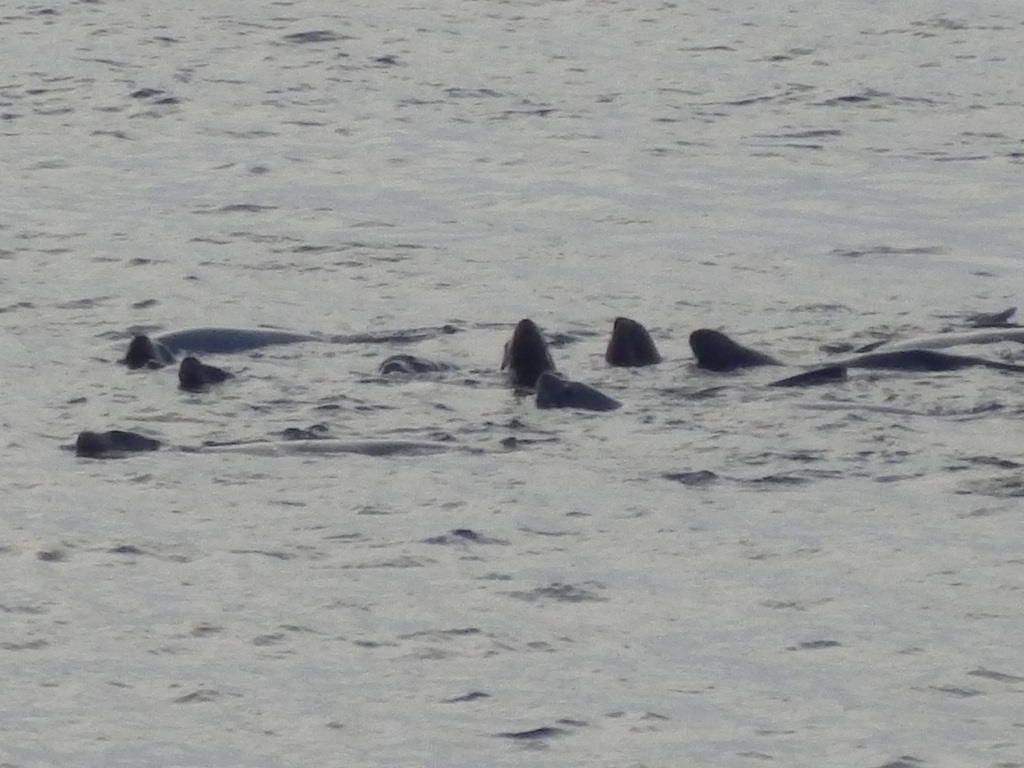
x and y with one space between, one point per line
630 345
992 319
228 340
117 443
914 360
827 375
924 360
194 376
144 351
410 365
112 444
717 352
526 355
554 391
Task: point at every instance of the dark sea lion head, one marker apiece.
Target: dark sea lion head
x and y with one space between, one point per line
526 355
717 352
143 352
112 443
194 376
631 345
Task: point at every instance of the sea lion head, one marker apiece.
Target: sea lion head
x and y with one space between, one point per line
143 352
717 352
526 355
630 345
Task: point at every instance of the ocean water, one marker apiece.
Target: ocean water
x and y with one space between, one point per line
827 577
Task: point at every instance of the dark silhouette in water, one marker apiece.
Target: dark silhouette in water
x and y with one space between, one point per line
630 345
913 360
410 365
925 360
827 375
717 352
113 443
144 351
117 443
554 391
195 376
526 355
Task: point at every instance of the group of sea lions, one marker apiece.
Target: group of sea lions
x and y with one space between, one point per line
529 366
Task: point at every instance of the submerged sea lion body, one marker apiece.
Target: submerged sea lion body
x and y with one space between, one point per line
827 375
195 376
554 391
410 365
630 345
144 351
912 360
117 443
228 340
526 355
112 444
925 360
717 352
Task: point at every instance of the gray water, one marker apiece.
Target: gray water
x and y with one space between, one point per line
828 577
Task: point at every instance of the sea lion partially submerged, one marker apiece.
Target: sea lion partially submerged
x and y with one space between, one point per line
194 376
410 365
717 352
924 360
112 444
913 360
144 351
827 375
526 355
555 391
117 443
630 345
